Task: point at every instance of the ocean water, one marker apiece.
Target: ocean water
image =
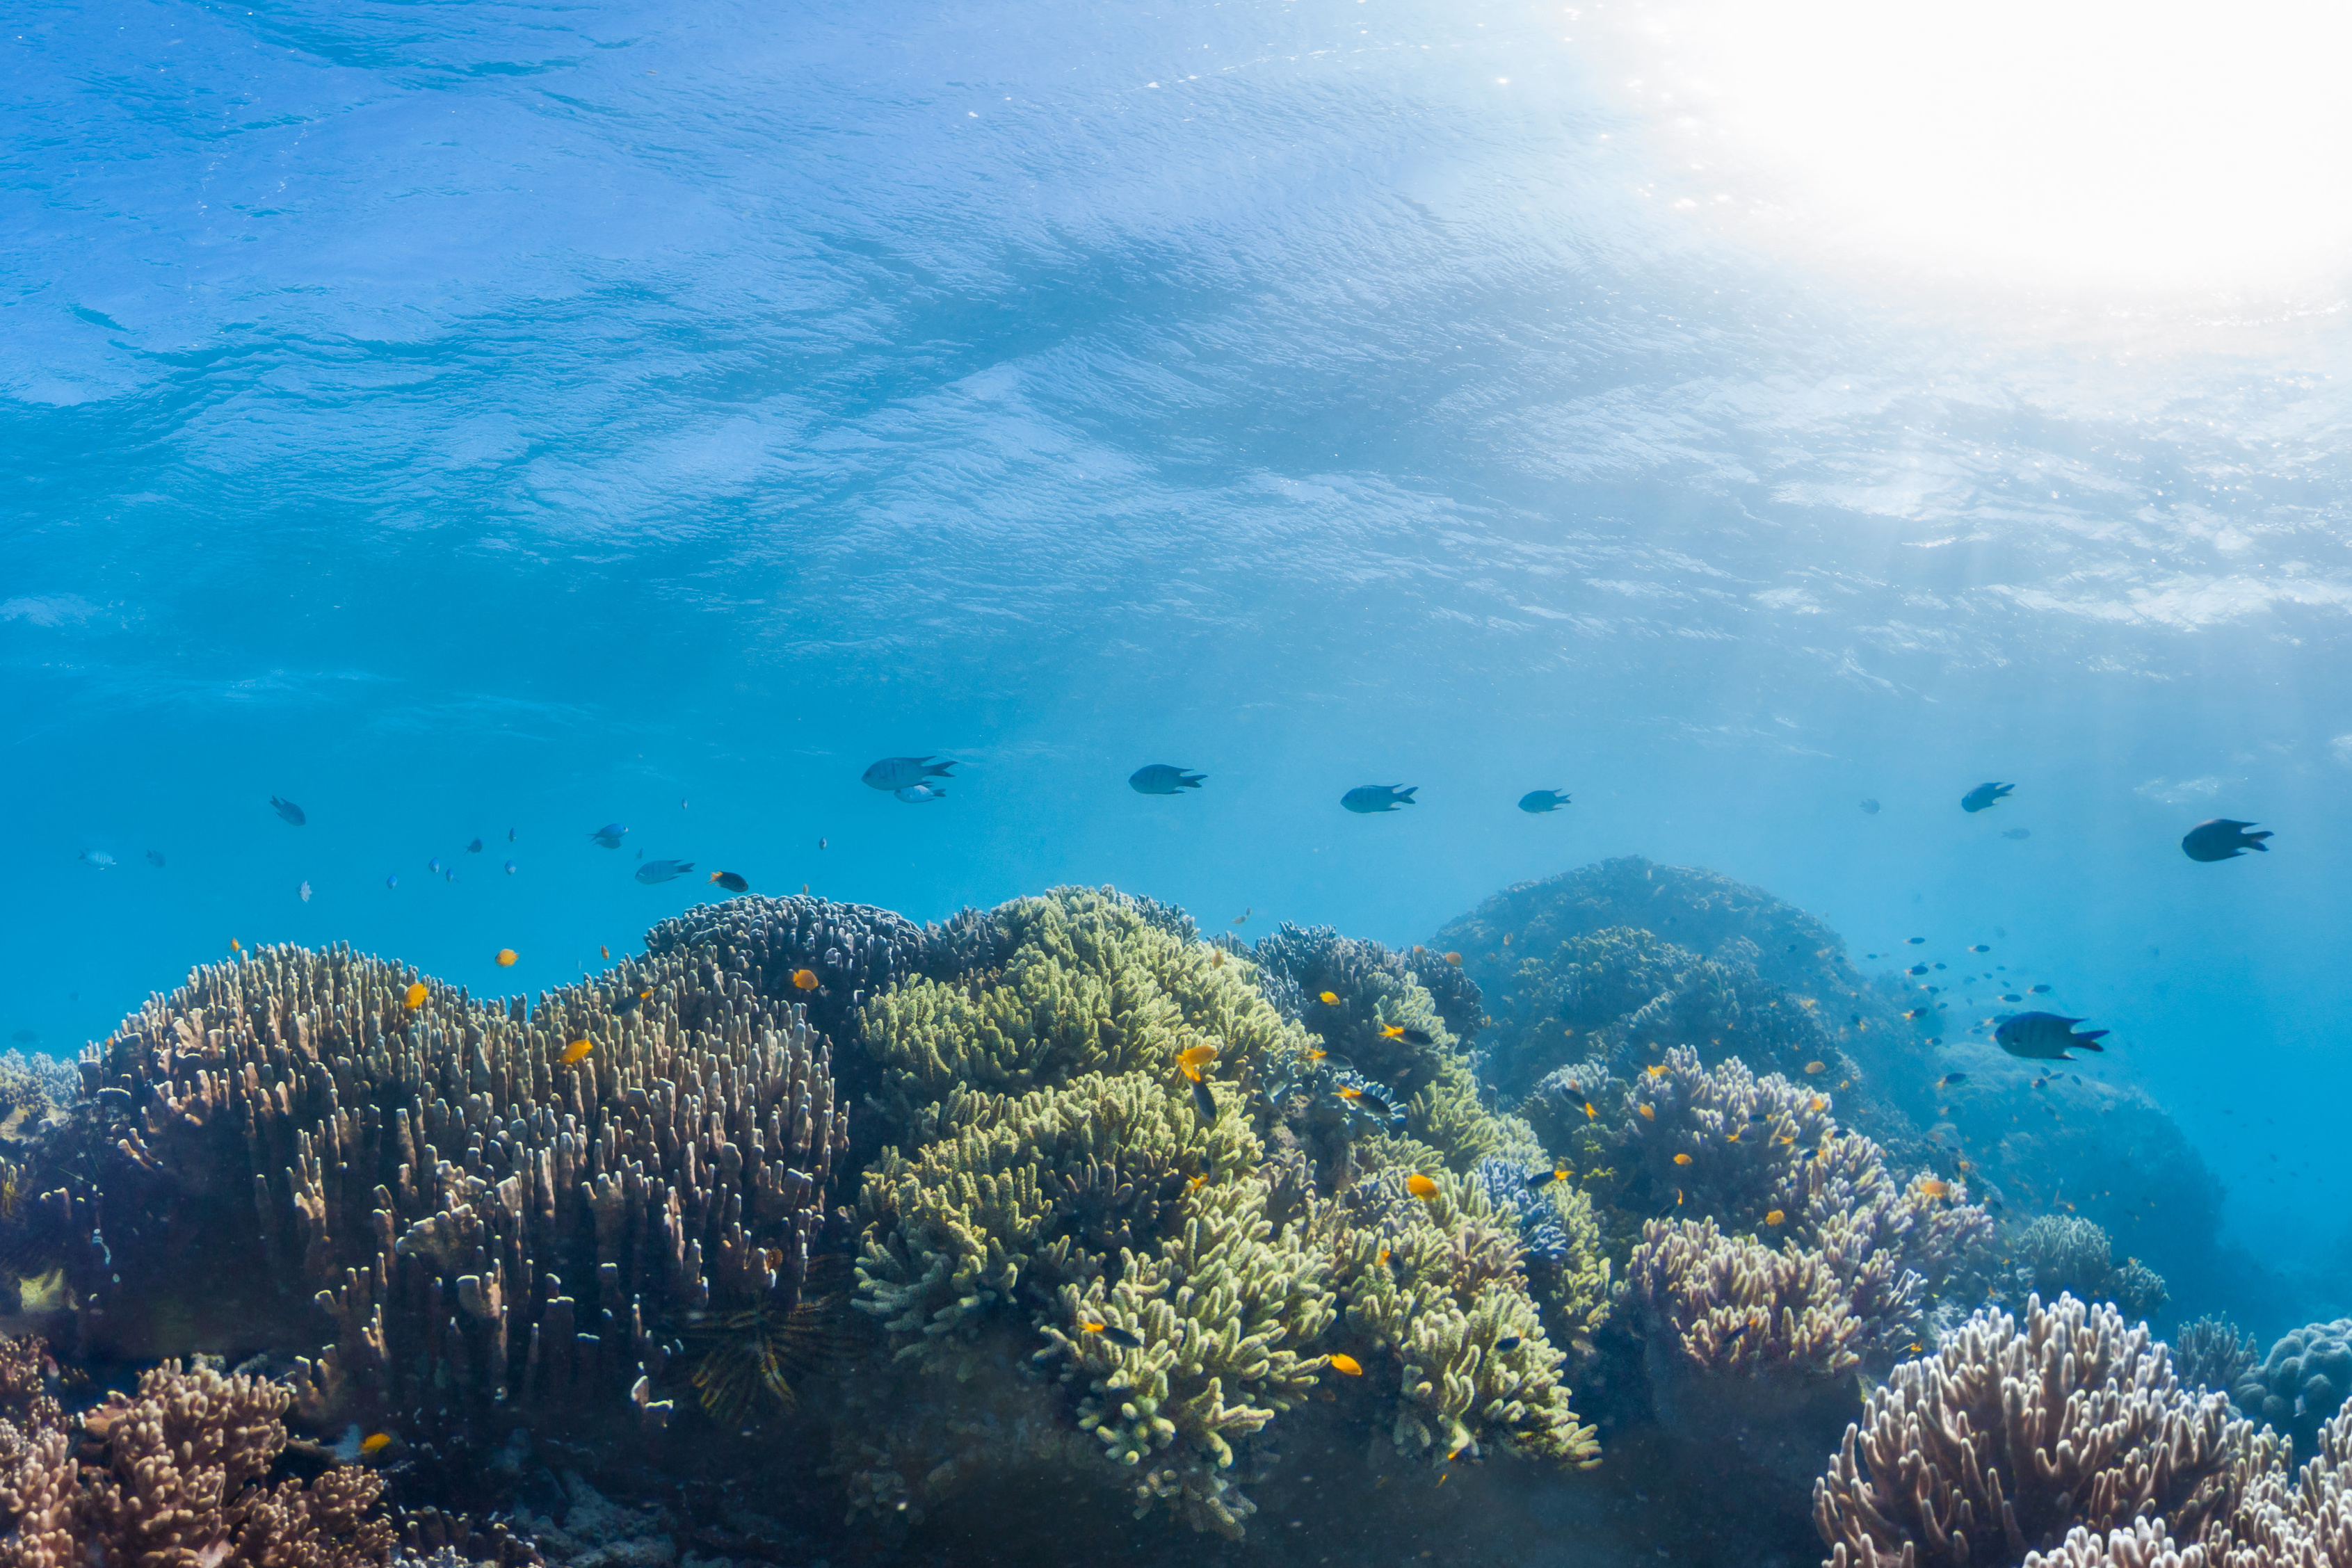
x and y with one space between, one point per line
496 420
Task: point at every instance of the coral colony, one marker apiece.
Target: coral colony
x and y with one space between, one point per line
323 1262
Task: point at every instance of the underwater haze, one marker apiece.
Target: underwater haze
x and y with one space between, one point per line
492 421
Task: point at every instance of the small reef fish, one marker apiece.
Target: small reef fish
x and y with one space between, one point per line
1192 1058
730 882
510 868
303 892
432 866
288 810
1916 969
602 951
100 858
916 794
1682 1159
576 1051
1917 941
2011 997
1984 795
2221 839
1930 1187
375 1442
2037 990
1420 1187
630 1003
662 871
506 957
510 835
1204 1103
1647 1113
1507 1343
1915 1014
1590 1113
820 843
1328 998
1812 1068
475 847
2044 1036
893 774
1948 1078
609 835
1412 1036
1817 1103
1393 1031
1347 1366
1980 947
1655 1071
2019 833
1116 1335
1366 799
1454 959
155 859
1775 1217
1163 778
1537 802
1539 1180
805 979
1244 917
415 997
1869 807
25 1036
448 876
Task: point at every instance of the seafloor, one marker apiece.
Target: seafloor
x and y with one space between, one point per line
1626 1220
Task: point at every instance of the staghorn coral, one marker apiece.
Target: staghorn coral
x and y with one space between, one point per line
174 1476
2210 1352
491 1232
2302 1382
2014 1434
2058 1253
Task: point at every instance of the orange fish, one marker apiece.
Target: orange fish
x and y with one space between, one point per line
1590 1113
234 945
1930 1187
1348 1093
1682 1159
507 956
1645 1112
1813 1067
602 951
1393 1031
1420 1186
1347 1366
805 979
1196 1056
375 1442
1194 1185
1454 959
1818 1104
415 997
1329 999
1316 1053
575 1050
1655 1071
1775 1217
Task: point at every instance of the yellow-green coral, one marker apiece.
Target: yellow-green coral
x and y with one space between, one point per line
1436 1283
1092 985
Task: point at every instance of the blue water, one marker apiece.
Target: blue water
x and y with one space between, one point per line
460 419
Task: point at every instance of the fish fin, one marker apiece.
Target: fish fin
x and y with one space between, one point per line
1404 796
2091 1042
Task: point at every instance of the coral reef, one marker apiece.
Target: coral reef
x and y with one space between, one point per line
2014 1434
2303 1381
498 1223
1098 1183
1729 1303
176 1474
2069 1254
2210 1352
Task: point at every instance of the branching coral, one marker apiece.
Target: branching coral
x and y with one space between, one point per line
2058 1253
2210 1352
494 1219
177 1476
2012 1434
1731 1304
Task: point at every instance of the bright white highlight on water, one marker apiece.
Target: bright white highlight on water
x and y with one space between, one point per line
2146 143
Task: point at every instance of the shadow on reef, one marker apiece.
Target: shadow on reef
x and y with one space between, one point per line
1597 1229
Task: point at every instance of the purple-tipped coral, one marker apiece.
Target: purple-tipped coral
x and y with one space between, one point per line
2014 1434
484 1215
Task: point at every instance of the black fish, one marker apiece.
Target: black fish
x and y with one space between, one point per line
1542 1179
2044 1036
475 847
1116 1335
288 810
2220 840
1370 798
630 1003
1416 1036
1504 1345
1163 778
1204 1104
730 882
1540 801
1984 795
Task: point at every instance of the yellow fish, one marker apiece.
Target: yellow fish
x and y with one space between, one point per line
1813 1067
507 956
375 1442
602 951
1217 959
1734 1137
1329 999
575 1050
805 979
1454 959
1930 1187
1393 1031
1194 1185
415 997
1348 1093
1655 1071
234 945
1775 1217
1785 1139
1196 1055
1646 1112
1316 1053
1347 1366
1818 1104
1682 1159
1590 1113
1420 1186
